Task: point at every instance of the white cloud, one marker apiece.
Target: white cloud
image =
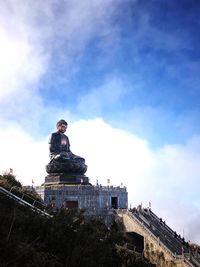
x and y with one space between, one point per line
111 153
23 63
26 157
30 35
168 177
22 60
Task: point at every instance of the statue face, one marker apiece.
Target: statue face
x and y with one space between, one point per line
62 128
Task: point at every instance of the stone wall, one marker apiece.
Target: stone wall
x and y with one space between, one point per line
93 198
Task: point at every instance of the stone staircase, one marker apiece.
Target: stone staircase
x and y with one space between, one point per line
159 239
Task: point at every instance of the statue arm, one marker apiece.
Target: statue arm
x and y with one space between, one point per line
54 144
68 145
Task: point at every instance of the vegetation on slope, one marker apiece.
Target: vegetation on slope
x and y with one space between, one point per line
66 239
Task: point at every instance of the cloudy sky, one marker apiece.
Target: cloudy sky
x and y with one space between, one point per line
125 74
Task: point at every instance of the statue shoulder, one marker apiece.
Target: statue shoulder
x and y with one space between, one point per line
55 134
53 137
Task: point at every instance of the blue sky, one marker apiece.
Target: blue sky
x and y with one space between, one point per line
150 49
125 75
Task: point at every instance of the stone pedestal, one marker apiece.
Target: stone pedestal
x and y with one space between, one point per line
95 200
63 178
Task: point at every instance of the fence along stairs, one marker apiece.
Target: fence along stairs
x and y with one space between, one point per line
169 238
29 202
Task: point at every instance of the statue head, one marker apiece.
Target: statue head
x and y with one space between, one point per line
61 126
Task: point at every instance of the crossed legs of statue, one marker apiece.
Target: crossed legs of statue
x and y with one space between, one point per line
68 156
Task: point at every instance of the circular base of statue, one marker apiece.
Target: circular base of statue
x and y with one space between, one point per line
66 166
63 178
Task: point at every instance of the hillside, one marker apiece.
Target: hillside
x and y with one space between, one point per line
65 239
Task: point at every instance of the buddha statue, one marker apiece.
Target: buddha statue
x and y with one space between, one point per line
61 157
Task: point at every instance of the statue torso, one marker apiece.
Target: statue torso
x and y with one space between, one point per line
58 143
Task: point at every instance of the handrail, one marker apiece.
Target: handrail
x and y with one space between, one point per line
23 202
164 229
191 264
190 261
27 196
165 225
155 237
195 261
